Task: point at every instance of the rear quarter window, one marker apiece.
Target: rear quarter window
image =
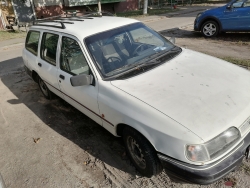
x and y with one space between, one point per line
32 41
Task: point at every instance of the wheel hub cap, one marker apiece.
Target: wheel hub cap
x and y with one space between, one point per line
43 87
209 29
136 152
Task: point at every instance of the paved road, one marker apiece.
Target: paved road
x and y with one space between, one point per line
172 22
10 58
181 18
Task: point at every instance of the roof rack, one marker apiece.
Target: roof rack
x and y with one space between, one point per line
66 20
38 23
70 19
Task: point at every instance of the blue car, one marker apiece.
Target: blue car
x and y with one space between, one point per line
234 16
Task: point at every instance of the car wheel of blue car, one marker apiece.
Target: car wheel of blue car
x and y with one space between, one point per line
210 29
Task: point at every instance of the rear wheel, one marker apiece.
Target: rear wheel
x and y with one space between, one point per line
210 29
141 153
44 89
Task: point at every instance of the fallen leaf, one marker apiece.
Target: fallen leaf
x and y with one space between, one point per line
36 140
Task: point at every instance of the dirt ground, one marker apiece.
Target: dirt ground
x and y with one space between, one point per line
234 45
50 144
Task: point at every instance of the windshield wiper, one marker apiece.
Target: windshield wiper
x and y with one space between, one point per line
160 54
137 69
160 58
122 68
147 63
169 55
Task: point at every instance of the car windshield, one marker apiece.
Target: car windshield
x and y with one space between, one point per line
118 50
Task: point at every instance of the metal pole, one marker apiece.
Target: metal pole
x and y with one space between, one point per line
145 7
17 20
99 7
33 8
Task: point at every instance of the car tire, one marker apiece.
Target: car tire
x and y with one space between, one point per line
141 153
210 29
44 89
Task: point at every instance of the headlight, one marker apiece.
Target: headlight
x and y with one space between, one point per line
214 147
199 14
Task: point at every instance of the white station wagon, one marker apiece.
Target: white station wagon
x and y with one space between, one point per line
174 108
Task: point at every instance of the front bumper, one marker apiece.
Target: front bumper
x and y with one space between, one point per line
205 174
196 25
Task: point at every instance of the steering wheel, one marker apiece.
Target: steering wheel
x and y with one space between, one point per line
141 47
113 59
112 63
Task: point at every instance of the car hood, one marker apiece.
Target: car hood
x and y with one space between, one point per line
203 93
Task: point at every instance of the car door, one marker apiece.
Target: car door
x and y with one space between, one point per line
47 67
73 62
236 18
246 10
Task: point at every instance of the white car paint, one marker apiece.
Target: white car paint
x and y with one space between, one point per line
189 99
199 91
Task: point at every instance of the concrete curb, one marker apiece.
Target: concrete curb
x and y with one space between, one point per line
11 45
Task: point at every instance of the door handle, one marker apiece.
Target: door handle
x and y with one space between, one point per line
61 76
39 64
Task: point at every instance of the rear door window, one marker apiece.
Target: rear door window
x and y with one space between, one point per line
32 41
49 47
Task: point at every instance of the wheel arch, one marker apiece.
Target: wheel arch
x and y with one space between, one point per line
34 76
211 18
120 127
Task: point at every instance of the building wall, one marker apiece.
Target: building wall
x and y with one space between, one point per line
48 8
39 3
128 5
48 11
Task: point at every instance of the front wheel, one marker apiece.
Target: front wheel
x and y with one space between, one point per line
141 153
210 29
44 89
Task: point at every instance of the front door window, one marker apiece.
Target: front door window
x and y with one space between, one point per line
72 59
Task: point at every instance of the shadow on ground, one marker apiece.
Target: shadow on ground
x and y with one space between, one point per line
69 122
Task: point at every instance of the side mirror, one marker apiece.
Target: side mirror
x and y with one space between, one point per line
81 80
172 40
229 6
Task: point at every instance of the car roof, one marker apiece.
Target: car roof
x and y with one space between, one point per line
87 27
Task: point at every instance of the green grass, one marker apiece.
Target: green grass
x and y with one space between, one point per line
5 35
150 12
242 62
